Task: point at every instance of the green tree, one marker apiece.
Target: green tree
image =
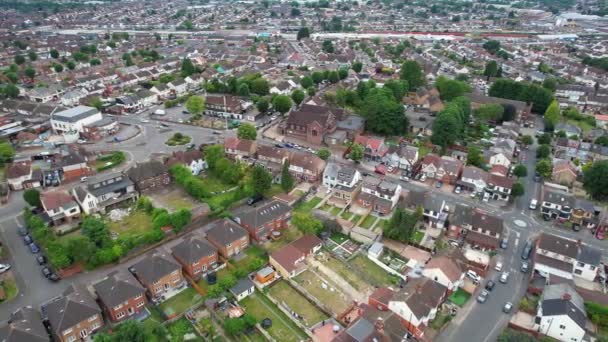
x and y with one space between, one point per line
492 46
281 103
260 86
489 112
58 67
527 140
7 152
306 223
261 180
412 73
298 96
32 55
544 139
95 61
30 72
195 104
603 140
333 77
262 105
383 114
317 77
96 230
306 82
517 190
303 32
213 154
54 53
544 168
398 87
520 171
286 178
446 128
551 116
243 90
19 59
32 197
187 68
70 64
328 46
491 69
543 151
450 89
595 181
246 131
323 153
550 83
10 90
475 157
357 66
343 73
356 152
96 102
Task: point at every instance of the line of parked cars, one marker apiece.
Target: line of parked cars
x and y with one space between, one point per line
47 271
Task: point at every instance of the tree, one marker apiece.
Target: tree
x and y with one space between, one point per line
95 61
475 157
603 141
520 171
195 104
261 180
70 64
489 112
96 102
551 116
595 181
281 103
343 73
491 69
333 77
323 153
259 86
306 223
328 46
543 151
30 72
402 225
412 73
213 154
450 89
19 59
96 230
357 66
317 77
384 115
356 152
7 152
517 189
544 168
58 67
298 96
398 87
286 178
550 83
306 82
32 55
246 131
10 90
544 139
303 32
32 197
492 46
243 90
295 12
54 53
262 105
446 128
187 68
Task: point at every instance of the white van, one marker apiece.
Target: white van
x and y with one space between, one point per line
533 204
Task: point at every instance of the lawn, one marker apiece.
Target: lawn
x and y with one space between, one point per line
375 274
178 139
282 329
338 238
307 207
224 272
274 190
109 161
326 207
418 236
583 125
346 215
10 288
287 236
214 184
174 200
460 297
324 291
335 211
355 218
283 292
181 327
136 223
252 253
368 221
343 270
440 320
180 302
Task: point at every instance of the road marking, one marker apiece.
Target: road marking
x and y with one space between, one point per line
516 241
517 234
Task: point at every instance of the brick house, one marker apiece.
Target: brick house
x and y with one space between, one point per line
483 229
196 256
309 123
374 148
24 325
306 167
289 261
228 237
18 173
59 206
74 315
149 175
379 195
158 273
120 295
262 220
445 169
239 149
193 160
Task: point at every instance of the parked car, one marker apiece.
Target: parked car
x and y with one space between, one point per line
41 259
507 307
483 296
83 179
27 239
53 277
576 227
217 132
255 199
525 254
533 204
504 243
380 169
498 266
390 169
278 146
490 285
34 248
46 272
439 184
504 277
4 268
524 267
423 178
600 233
457 190
473 276
21 230
537 177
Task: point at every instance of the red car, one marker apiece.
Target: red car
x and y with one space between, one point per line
600 233
380 169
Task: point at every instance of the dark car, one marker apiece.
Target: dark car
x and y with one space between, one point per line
439 184
41 259
21 230
278 146
185 112
546 217
27 239
504 243
576 227
34 248
53 277
46 272
537 178
255 199
490 285
525 254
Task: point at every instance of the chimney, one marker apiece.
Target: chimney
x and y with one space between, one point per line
566 296
379 325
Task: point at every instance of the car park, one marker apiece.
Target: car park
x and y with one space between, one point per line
504 277
483 296
34 248
524 267
4 268
507 307
490 285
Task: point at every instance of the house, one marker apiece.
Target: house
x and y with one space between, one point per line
158 273
243 288
310 124
226 106
498 158
565 258
417 304
289 261
563 173
196 256
426 98
18 173
408 157
147 98
284 88
120 295
25 324
272 154
433 207
346 186
192 159
584 213
444 169
101 195
556 203
74 119
561 314
228 237
179 87
59 207
74 315
445 271
239 149
149 175
379 195
373 147
161 90
473 179
306 167
330 175
262 220
499 187
72 163
484 230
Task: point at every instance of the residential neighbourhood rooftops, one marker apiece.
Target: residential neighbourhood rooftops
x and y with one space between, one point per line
117 287
193 249
225 231
154 267
71 308
75 114
24 325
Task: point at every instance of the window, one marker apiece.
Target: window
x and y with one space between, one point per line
71 338
120 315
580 264
591 267
561 326
578 271
92 318
96 325
138 296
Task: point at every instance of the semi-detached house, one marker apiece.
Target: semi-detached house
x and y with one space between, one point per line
120 295
567 259
158 273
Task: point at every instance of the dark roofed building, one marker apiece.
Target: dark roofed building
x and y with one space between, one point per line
158 273
149 175
309 123
120 295
228 237
24 325
196 256
262 220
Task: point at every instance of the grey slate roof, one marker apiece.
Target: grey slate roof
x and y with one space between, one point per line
559 245
361 330
109 184
589 255
146 170
260 215
25 325
73 307
243 285
75 114
558 307
152 268
193 249
225 232
118 287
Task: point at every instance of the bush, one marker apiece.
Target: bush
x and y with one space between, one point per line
111 160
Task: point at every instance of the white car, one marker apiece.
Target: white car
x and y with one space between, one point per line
533 204
498 266
474 277
457 190
423 178
4 268
390 169
504 277
145 121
